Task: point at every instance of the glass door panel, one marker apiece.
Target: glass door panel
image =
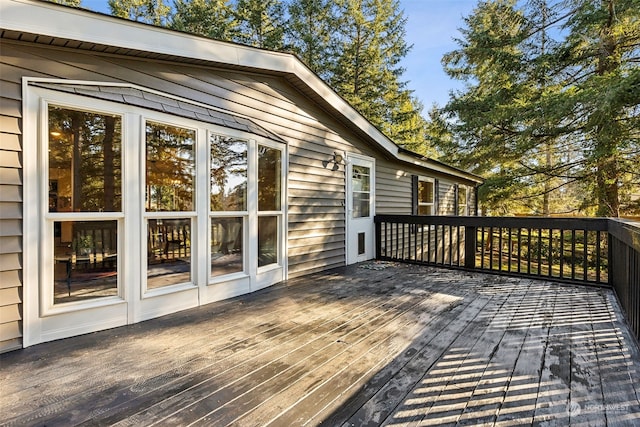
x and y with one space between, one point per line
361 188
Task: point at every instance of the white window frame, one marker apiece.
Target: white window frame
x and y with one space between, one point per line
433 194
168 120
464 206
46 221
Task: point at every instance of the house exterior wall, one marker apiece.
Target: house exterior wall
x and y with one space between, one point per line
10 210
316 220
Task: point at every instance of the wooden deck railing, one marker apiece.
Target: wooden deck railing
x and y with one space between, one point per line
596 251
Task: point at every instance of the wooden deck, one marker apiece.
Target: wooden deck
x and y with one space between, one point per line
372 344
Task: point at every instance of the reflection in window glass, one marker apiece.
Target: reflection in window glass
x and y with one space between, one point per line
462 200
226 246
425 198
84 161
269 178
170 168
360 188
267 240
85 260
228 174
168 252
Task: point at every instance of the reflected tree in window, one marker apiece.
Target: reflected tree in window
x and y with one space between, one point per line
269 178
170 168
228 174
84 161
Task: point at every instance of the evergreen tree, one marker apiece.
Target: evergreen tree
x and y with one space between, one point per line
209 18
154 12
603 46
547 120
368 74
311 33
261 23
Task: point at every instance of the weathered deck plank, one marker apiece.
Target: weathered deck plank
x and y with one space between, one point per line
387 344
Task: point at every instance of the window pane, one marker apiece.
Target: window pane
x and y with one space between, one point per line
361 205
84 161
226 246
269 179
360 178
85 260
425 192
425 210
360 188
170 168
168 252
228 174
267 240
462 201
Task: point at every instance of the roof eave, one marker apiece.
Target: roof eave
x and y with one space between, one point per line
56 21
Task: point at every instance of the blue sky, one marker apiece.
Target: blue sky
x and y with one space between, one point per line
431 27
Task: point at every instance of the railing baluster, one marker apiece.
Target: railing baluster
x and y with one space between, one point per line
539 252
519 249
435 240
561 252
598 260
550 260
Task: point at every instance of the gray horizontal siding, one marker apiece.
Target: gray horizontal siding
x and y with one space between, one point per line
10 208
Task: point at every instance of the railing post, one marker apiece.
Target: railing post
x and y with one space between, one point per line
470 236
378 237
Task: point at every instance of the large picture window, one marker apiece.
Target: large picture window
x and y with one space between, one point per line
142 213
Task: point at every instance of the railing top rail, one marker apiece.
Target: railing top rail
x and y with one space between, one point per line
590 224
626 231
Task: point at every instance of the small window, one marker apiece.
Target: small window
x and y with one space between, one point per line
426 196
462 201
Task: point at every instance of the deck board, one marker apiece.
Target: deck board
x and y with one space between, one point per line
371 344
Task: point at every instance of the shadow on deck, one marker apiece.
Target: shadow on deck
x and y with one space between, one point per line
372 344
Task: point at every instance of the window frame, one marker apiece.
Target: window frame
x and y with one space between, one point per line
432 204
459 206
46 256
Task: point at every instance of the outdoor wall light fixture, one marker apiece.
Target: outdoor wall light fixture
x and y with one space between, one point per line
336 159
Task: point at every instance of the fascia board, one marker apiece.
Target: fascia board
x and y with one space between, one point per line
440 167
52 20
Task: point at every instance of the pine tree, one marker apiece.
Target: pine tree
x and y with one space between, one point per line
209 18
261 23
368 73
604 46
311 33
155 12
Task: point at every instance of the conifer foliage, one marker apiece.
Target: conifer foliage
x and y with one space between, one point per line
550 110
354 45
